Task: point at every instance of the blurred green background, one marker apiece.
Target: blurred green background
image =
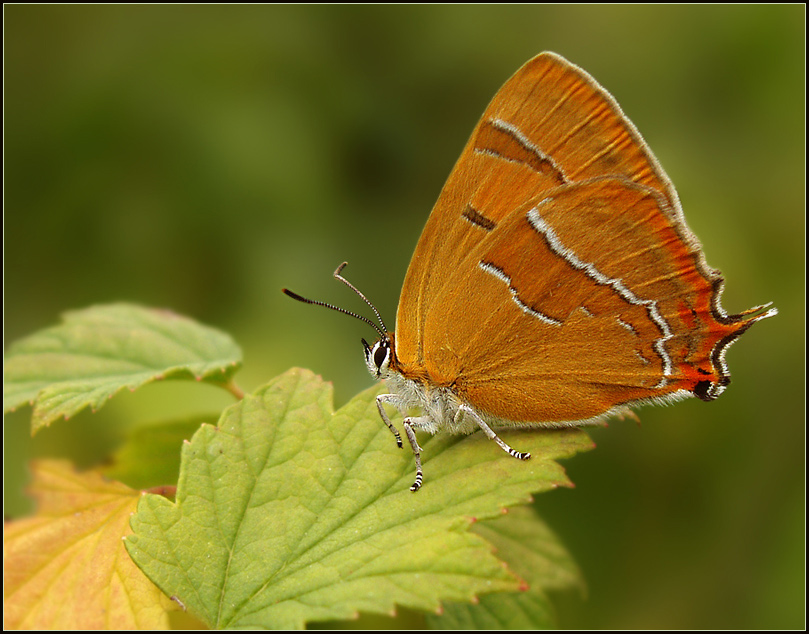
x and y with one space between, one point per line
202 157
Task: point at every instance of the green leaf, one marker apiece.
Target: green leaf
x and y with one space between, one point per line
101 350
289 512
150 456
533 552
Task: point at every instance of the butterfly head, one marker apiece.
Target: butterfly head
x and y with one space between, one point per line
378 357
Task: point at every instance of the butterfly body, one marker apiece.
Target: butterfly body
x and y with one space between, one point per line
556 281
441 406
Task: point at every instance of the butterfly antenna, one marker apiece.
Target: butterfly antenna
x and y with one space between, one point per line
357 291
381 331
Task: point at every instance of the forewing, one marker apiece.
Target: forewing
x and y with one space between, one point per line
551 124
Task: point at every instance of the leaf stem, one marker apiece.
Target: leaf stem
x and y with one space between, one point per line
234 389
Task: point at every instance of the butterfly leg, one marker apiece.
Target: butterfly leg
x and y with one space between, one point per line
468 411
409 425
388 398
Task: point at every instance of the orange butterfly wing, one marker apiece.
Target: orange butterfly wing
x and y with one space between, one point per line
555 277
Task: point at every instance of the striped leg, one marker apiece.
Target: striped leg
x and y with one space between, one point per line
468 411
388 398
409 424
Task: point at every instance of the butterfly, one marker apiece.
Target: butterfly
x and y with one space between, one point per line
556 282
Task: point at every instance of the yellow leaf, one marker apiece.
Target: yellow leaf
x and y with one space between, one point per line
66 567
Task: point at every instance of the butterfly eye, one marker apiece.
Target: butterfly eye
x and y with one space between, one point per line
381 355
